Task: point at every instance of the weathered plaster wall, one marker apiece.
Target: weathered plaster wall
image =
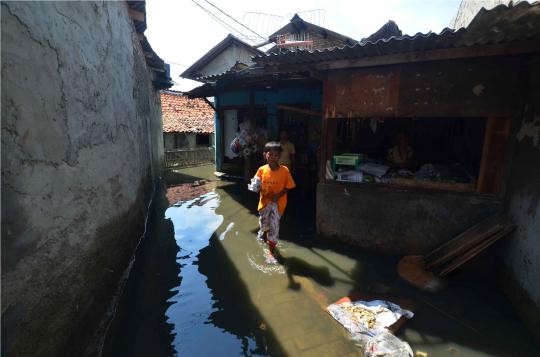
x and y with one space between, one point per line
523 203
398 221
469 8
81 144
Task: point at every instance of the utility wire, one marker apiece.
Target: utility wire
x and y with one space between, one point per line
235 20
223 23
176 63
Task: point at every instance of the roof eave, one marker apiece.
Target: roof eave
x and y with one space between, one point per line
191 71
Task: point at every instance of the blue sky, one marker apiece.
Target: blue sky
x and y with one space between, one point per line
181 32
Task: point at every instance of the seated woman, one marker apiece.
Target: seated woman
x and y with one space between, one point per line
400 156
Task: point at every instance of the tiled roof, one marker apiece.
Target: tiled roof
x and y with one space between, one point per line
499 25
183 115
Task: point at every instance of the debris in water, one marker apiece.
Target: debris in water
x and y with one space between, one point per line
412 269
365 319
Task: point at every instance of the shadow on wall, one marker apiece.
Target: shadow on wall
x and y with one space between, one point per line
141 314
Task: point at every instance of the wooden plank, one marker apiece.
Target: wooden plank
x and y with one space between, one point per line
459 88
431 55
327 98
361 93
493 155
136 15
299 110
469 234
476 250
322 160
469 254
462 248
331 140
454 88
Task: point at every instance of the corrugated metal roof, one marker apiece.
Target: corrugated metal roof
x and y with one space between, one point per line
255 76
499 25
252 70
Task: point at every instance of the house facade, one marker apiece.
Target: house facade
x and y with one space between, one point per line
229 54
187 123
317 37
467 100
270 102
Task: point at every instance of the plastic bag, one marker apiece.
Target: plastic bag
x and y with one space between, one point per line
235 146
255 185
386 344
365 319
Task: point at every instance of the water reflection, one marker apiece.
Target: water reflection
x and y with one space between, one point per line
193 306
140 327
200 287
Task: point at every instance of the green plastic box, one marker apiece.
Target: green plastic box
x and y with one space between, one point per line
347 160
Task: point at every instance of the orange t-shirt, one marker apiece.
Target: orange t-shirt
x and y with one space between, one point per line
273 182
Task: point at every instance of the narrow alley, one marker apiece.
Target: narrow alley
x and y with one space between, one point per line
270 178
200 287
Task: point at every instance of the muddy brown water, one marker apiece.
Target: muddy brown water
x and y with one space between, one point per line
200 287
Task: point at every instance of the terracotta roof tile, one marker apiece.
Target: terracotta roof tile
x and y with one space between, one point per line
183 115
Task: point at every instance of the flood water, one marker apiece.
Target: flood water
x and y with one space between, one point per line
200 287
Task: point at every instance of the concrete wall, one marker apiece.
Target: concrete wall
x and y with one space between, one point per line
397 220
469 8
81 144
523 203
186 140
226 59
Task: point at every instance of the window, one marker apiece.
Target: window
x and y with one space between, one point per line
444 152
202 140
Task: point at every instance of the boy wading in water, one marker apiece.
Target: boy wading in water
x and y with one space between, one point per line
276 181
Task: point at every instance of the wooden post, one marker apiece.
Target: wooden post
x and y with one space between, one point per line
323 145
493 155
249 159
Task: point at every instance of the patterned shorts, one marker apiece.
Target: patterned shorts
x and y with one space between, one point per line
269 222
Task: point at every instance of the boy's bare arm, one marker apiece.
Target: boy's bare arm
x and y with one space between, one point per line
276 196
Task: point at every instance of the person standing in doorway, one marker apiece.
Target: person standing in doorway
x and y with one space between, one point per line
400 156
287 151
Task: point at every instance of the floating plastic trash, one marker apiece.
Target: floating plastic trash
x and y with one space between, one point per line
366 319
